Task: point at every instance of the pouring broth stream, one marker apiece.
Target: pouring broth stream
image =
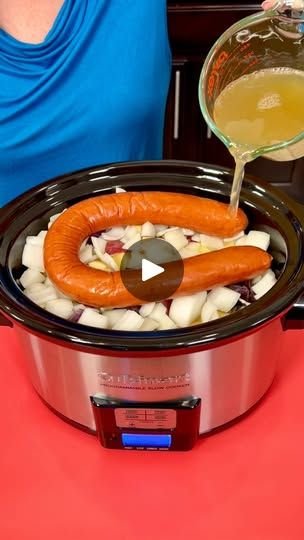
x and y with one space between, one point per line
259 110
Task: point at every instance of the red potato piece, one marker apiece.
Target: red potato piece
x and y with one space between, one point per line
114 246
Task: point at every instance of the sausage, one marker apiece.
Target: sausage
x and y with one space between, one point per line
135 208
96 288
105 289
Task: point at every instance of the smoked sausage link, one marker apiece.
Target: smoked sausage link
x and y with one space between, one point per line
96 288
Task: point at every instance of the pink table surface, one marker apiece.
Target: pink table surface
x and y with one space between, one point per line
245 482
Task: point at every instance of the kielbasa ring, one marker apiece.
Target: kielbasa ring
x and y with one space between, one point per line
96 288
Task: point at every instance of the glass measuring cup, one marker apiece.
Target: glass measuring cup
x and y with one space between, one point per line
267 40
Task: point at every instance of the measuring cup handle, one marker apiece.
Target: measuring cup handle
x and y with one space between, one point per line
283 5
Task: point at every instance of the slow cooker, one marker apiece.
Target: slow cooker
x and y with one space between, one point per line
156 390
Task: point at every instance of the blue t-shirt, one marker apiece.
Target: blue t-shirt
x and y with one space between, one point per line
93 92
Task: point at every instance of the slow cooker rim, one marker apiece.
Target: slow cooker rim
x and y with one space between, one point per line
200 335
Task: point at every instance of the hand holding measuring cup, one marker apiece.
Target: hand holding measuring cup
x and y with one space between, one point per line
252 85
285 4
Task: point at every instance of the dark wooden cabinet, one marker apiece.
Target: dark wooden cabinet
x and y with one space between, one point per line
193 29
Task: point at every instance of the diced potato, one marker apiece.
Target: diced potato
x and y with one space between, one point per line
40 293
192 249
91 317
211 242
146 309
99 266
114 315
149 325
35 240
258 239
99 245
148 230
130 321
242 241
158 311
209 312
176 238
118 258
186 309
32 257
31 276
223 298
60 307
166 323
203 249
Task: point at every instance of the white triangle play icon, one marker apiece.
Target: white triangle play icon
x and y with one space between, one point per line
149 270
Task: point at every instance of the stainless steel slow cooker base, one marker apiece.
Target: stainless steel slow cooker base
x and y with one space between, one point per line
224 366
229 379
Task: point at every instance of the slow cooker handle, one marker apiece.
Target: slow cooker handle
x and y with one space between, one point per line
294 318
4 321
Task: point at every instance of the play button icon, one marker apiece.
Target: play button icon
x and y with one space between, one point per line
152 270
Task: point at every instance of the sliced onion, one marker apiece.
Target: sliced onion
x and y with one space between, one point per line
244 302
130 232
186 309
177 239
234 238
164 231
91 317
32 257
132 241
99 245
223 298
146 309
119 190
43 234
60 307
264 285
86 254
109 261
149 325
196 238
188 232
160 228
31 276
148 230
211 242
115 233
256 280
130 321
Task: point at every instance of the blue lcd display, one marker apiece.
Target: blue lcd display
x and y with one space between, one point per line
146 441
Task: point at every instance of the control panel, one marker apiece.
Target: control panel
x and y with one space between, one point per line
163 426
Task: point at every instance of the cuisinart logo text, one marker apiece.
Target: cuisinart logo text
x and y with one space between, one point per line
143 382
